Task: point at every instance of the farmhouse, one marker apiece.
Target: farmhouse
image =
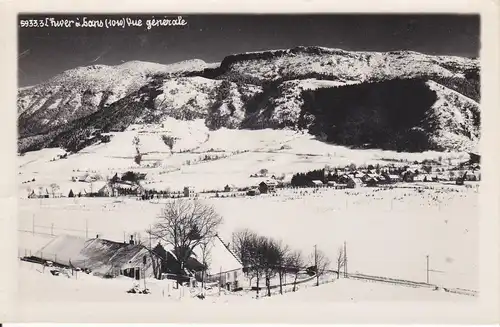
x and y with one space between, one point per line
224 267
267 187
391 178
103 257
107 190
84 178
409 176
189 191
230 188
354 182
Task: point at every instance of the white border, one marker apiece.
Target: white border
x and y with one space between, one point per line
485 310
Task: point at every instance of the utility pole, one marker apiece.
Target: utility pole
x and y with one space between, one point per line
150 242
427 260
33 224
220 278
316 264
345 259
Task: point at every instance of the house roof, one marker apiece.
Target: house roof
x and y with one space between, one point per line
97 254
355 180
317 182
221 258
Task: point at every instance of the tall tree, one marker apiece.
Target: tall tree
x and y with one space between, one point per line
185 224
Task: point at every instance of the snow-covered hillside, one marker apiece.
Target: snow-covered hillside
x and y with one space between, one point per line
81 91
251 90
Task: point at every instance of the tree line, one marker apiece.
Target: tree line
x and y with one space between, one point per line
265 258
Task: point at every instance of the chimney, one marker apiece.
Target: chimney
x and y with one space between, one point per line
131 239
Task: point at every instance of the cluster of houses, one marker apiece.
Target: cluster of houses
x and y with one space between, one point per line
354 179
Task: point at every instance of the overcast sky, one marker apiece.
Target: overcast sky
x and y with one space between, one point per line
45 52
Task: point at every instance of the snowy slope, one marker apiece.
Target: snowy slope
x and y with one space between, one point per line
454 119
78 92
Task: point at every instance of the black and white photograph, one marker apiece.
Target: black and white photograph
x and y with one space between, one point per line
219 159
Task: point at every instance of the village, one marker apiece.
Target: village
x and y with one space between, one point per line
130 183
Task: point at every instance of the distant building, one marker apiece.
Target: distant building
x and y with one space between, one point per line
267 187
316 183
368 176
392 178
372 181
253 192
189 191
354 183
230 188
107 190
331 184
408 176
33 195
344 178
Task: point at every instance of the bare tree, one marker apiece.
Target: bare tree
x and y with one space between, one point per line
296 262
321 263
205 247
282 261
248 246
269 260
54 188
341 260
185 224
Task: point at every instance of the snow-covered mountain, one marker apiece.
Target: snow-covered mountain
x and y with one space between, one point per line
268 89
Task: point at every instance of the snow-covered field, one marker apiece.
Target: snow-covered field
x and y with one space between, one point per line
388 232
39 285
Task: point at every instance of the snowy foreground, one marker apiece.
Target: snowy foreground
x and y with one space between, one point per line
388 233
41 286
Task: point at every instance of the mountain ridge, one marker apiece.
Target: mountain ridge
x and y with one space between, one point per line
263 89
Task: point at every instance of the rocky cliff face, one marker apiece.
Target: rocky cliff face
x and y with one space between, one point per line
396 100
